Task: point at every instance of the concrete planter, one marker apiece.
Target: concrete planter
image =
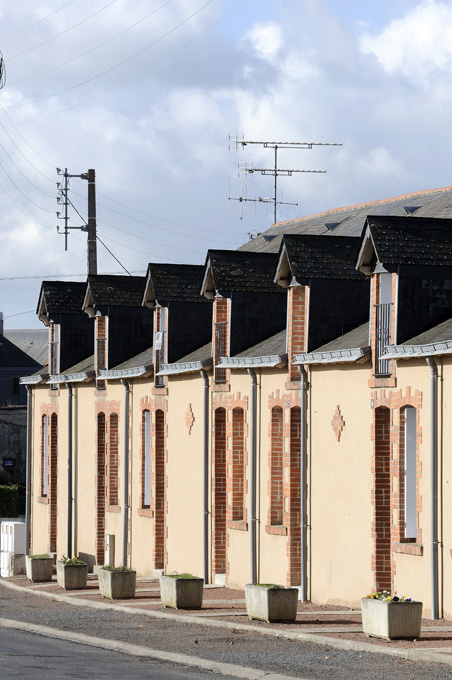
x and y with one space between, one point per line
271 604
72 576
117 585
391 620
39 568
181 593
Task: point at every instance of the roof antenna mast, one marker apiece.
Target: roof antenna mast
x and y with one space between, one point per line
90 227
237 141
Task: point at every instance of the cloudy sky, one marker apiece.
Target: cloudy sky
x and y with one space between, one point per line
147 93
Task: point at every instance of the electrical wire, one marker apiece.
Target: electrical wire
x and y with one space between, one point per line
11 35
93 49
112 68
30 49
113 256
156 243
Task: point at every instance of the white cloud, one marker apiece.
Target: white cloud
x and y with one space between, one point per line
266 38
417 45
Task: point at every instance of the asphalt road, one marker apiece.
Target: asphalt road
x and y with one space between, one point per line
295 658
40 658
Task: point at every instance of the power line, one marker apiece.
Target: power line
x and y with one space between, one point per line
30 49
11 35
113 256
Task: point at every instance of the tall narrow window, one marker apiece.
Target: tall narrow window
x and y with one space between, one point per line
44 455
113 472
383 323
410 473
276 467
101 447
160 353
160 496
220 350
146 424
238 465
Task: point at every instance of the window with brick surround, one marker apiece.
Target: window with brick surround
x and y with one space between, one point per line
146 461
44 455
53 481
159 490
113 472
219 493
276 467
238 465
101 461
409 483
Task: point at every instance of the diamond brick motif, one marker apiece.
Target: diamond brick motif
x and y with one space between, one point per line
189 418
338 423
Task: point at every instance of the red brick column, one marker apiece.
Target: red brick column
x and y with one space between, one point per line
297 326
53 486
159 491
381 500
219 493
100 489
275 482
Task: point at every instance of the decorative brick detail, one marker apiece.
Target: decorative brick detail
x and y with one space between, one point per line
338 423
297 326
189 418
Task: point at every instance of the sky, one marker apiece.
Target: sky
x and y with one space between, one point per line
148 92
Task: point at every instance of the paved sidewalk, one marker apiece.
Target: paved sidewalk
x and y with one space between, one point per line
223 607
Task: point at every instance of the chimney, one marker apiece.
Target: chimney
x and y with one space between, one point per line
1 323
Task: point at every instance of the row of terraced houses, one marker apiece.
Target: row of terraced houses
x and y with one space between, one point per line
278 414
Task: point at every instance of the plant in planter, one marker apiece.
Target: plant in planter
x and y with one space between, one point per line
181 591
72 573
270 602
39 567
391 617
117 583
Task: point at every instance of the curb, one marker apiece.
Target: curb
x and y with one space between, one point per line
145 652
427 655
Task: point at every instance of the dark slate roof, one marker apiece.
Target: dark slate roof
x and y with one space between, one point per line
201 354
63 297
274 345
116 291
316 257
350 220
421 241
239 271
177 282
34 342
441 332
13 357
85 366
358 337
145 358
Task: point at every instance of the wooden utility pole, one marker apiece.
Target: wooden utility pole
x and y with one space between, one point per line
92 232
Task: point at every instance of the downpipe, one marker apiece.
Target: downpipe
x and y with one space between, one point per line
253 536
434 482
205 532
69 468
125 527
303 484
28 472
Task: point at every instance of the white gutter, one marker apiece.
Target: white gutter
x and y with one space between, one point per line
412 351
332 357
185 367
269 361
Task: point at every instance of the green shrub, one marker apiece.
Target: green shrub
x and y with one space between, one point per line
9 501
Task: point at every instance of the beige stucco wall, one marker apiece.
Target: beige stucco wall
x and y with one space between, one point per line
340 483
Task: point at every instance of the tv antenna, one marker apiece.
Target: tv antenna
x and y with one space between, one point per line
90 227
237 141
2 71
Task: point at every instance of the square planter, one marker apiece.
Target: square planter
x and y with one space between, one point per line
391 620
116 584
181 593
39 568
271 604
72 576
